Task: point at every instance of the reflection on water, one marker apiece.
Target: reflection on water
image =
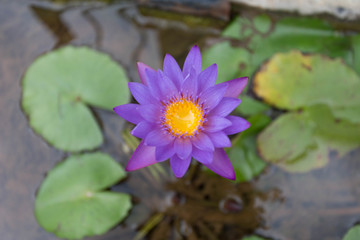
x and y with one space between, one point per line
321 204
51 19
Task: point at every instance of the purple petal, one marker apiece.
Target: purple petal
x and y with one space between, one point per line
225 107
238 125
158 137
142 129
193 60
179 166
142 157
203 142
221 165
219 139
172 70
150 112
129 112
167 87
211 96
141 93
215 124
235 87
204 157
190 85
142 68
183 147
207 78
163 153
153 82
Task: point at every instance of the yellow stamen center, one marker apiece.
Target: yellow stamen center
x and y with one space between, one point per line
183 117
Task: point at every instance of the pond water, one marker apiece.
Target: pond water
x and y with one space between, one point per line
320 204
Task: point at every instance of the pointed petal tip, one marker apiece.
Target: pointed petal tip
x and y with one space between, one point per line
179 166
246 125
236 86
214 68
232 178
178 176
142 68
195 49
193 60
129 112
222 165
142 157
239 124
168 55
129 169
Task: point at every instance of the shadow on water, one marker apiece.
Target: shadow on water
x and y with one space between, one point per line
321 204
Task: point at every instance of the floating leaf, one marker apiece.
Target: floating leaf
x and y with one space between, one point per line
59 85
239 28
339 134
314 157
353 233
250 106
243 154
355 40
309 35
71 201
328 92
232 62
349 113
294 80
262 23
300 142
304 34
286 138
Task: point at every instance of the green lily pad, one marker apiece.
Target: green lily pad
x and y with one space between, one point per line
304 34
250 106
231 62
289 143
262 23
308 35
300 142
59 85
243 154
339 134
351 114
355 40
353 233
72 203
314 157
286 138
327 91
240 28
294 80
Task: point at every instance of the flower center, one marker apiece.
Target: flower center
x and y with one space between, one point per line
183 117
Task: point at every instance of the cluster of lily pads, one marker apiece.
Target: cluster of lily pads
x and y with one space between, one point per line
58 89
311 73
309 70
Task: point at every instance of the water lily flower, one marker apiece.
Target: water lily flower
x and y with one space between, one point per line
182 115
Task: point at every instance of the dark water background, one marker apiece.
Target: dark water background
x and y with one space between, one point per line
319 205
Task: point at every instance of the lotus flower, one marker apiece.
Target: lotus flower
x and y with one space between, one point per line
183 115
